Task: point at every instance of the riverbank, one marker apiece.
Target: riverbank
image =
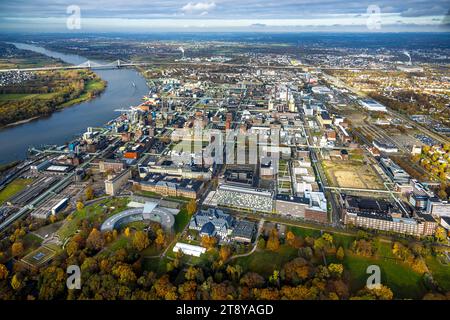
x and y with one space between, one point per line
125 87
92 88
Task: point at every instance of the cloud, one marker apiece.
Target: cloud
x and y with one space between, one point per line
419 12
258 25
202 8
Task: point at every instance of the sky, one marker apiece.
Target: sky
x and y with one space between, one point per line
223 15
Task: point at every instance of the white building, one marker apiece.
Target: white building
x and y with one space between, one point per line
372 105
189 249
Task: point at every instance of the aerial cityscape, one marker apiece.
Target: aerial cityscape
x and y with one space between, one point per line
222 151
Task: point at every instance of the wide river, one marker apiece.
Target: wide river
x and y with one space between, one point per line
62 126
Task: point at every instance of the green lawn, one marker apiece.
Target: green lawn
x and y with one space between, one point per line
440 272
31 242
403 281
157 265
181 220
25 96
13 188
304 232
265 262
96 212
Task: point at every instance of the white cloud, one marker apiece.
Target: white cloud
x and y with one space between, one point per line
201 8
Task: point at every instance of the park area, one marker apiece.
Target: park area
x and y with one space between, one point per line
352 174
97 212
397 275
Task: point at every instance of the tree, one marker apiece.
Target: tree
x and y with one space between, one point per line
336 269
95 240
160 238
252 280
441 234
127 232
89 193
380 293
290 238
193 274
261 243
296 270
273 243
191 207
3 272
209 242
442 194
140 240
17 249
80 205
16 282
224 253
340 254
124 273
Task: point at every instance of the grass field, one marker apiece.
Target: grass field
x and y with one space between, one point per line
25 96
96 212
440 272
181 220
13 188
265 262
157 265
91 85
403 281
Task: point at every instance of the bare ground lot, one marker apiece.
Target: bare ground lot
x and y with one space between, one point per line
352 174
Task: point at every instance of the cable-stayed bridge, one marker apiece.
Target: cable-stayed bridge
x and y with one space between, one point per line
123 64
85 65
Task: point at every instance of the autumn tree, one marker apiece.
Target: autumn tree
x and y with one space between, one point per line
191 207
3 272
296 270
224 253
290 238
16 282
124 273
336 269
380 293
17 249
80 205
252 280
194 274
160 238
273 243
340 254
89 193
209 242
140 240
95 240
441 234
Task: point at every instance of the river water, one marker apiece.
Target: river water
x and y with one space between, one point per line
62 126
